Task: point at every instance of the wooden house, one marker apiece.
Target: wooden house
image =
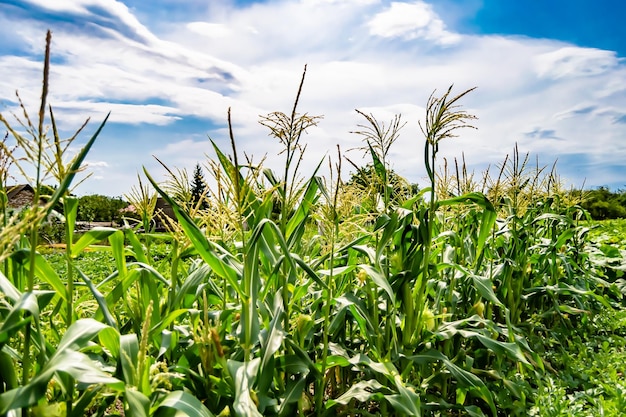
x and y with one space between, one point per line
19 196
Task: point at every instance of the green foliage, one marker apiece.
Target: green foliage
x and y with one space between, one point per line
100 208
602 204
371 185
198 188
591 358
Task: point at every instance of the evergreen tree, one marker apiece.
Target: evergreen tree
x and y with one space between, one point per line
198 187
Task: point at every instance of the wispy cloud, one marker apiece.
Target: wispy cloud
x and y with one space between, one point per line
539 133
575 62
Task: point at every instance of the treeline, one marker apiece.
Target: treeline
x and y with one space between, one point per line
100 208
604 204
601 203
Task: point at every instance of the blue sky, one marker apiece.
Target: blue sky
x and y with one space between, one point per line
551 78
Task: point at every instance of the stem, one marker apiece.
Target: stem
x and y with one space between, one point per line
424 274
34 229
70 295
319 394
174 275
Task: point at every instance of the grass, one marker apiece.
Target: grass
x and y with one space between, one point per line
285 295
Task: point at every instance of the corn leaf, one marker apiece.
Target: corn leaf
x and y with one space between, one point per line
100 299
138 403
244 375
78 365
361 391
94 235
183 402
463 377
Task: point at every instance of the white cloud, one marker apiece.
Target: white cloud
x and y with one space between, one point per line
409 21
99 164
115 12
574 62
366 54
72 112
210 30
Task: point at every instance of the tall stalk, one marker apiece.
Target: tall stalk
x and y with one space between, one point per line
333 221
443 118
34 228
288 129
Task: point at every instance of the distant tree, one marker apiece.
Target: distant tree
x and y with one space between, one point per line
367 180
198 187
100 208
602 204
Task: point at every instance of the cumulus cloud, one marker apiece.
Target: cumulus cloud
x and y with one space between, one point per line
411 21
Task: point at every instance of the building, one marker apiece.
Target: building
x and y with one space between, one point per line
19 196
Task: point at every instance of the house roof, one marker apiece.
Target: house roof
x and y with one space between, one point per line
14 190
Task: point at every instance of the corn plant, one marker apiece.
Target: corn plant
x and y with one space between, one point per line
292 295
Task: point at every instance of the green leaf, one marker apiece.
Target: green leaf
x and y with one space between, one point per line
8 374
185 403
304 208
272 338
484 286
386 368
110 339
116 244
79 333
85 402
361 391
463 377
129 351
27 303
100 299
610 251
309 271
244 375
78 365
193 285
488 217
511 350
406 401
379 167
380 280
292 395
138 403
94 235
139 252
169 318
8 289
70 210
44 271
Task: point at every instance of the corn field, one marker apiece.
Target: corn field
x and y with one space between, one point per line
282 295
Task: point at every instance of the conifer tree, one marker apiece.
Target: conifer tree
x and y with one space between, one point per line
198 187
